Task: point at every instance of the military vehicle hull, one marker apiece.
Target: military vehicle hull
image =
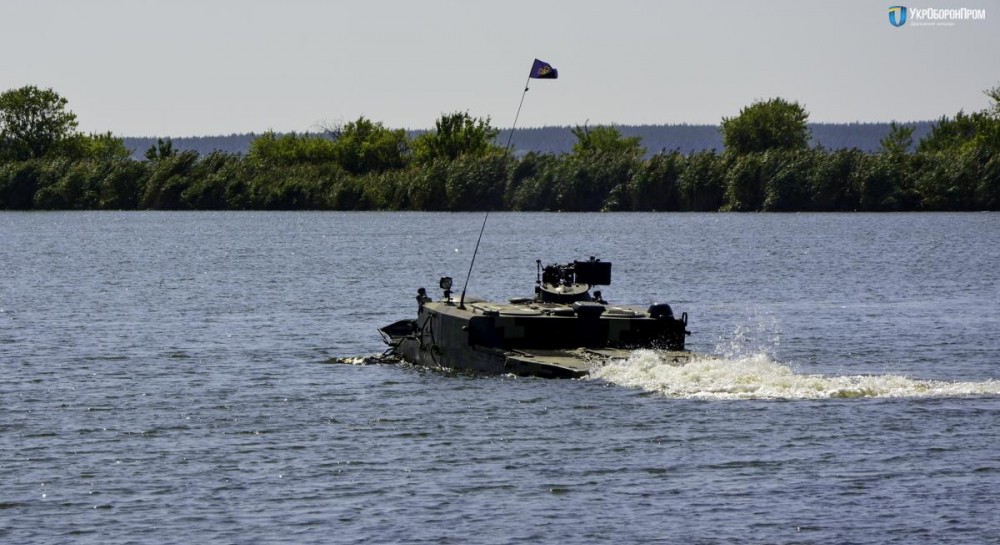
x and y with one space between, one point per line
531 338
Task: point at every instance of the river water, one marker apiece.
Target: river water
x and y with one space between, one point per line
166 378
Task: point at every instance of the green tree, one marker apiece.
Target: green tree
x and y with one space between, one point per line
164 149
954 133
101 146
966 131
958 165
364 146
19 180
607 141
291 149
898 141
455 135
33 122
776 124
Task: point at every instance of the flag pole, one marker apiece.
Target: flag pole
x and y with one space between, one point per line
510 135
537 69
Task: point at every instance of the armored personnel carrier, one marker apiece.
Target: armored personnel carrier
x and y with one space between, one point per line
561 332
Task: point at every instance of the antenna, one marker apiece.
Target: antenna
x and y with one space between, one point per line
538 70
461 301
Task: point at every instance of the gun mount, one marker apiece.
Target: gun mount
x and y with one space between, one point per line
571 282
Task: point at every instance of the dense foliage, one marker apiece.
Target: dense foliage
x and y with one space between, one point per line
33 122
763 126
560 140
767 165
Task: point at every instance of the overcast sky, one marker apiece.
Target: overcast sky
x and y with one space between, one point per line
206 67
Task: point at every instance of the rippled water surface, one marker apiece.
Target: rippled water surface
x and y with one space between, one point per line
166 379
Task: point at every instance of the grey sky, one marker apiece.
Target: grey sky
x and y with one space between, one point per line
138 67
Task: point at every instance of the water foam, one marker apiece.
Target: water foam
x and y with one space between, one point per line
759 377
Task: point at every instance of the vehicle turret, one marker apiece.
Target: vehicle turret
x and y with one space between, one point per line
569 283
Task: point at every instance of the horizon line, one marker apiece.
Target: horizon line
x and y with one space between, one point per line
502 129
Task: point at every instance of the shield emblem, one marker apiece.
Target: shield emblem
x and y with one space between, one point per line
897 15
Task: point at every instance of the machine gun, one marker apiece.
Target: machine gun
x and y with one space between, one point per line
571 282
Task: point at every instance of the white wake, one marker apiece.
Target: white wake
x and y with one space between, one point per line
759 377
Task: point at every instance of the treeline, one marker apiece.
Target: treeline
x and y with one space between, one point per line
559 140
695 138
768 163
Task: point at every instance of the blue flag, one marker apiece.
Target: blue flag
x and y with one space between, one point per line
543 70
